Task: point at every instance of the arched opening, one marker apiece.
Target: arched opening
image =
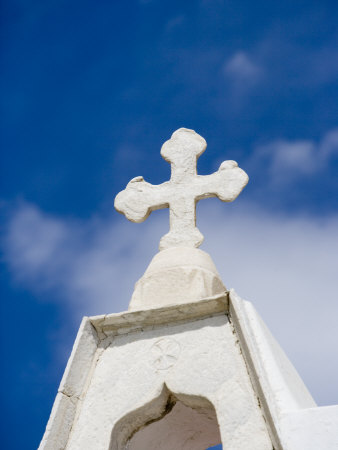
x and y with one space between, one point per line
171 421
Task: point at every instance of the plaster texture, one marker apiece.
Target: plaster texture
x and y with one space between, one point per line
190 364
183 191
310 428
194 360
177 275
141 372
184 427
206 358
72 387
293 418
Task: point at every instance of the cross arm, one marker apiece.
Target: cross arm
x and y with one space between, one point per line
226 184
140 198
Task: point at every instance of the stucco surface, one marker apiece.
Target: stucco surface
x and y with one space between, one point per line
177 275
126 368
183 191
293 419
190 363
310 428
72 387
197 359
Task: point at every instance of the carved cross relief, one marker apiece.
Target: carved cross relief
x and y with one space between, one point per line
183 191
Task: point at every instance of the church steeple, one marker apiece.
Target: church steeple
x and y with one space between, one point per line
189 365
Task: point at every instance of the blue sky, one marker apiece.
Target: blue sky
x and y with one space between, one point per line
90 91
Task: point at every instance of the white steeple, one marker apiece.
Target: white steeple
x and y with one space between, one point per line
190 364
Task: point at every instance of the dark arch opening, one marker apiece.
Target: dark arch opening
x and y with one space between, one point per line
170 421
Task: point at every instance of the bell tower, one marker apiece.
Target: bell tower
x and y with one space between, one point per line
190 365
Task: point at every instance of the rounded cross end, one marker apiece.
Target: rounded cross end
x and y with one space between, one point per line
131 205
230 164
185 141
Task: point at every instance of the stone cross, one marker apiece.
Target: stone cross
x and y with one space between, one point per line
183 191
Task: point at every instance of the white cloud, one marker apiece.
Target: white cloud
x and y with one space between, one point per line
241 69
91 266
329 145
286 266
286 160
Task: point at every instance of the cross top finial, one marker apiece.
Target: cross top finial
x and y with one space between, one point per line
182 151
183 191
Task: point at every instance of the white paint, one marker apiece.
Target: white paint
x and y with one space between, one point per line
208 365
294 421
189 364
124 367
71 388
127 322
183 191
311 428
272 366
175 276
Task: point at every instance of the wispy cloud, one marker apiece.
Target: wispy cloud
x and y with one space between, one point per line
286 160
90 266
286 266
241 69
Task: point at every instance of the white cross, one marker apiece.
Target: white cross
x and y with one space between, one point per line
183 191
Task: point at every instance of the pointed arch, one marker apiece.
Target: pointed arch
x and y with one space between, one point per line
171 420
